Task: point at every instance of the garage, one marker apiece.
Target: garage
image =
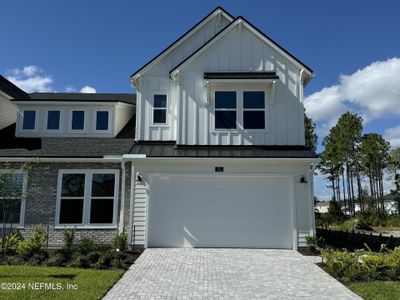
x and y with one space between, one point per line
221 211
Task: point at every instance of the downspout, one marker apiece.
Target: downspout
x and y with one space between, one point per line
312 212
131 204
122 208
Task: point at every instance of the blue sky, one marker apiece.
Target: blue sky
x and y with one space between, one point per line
98 44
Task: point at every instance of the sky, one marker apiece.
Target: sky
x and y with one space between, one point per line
88 46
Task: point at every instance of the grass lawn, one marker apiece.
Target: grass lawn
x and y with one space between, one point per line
83 283
377 290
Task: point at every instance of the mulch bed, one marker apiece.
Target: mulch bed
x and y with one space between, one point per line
131 257
308 252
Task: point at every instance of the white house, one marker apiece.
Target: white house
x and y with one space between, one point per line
218 154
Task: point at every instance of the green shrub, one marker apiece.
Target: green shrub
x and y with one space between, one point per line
69 238
120 241
56 259
37 259
312 242
105 260
33 245
119 259
80 261
86 245
10 243
12 260
349 225
94 256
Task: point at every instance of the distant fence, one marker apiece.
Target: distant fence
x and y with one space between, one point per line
353 240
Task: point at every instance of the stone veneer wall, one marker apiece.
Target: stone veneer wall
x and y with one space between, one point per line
40 208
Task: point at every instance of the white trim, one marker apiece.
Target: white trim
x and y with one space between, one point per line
182 40
23 195
131 204
122 202
166 108
228 29
104 159
70 118
87 198
110 120
21 120
290 176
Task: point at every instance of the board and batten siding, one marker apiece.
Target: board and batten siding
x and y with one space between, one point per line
156 80
8 112
190 111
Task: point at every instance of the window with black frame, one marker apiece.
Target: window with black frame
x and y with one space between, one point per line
253 110
160 109
225 110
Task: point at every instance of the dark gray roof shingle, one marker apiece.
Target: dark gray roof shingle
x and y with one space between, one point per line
11 89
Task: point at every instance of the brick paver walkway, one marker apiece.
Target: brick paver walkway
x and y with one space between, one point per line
226 274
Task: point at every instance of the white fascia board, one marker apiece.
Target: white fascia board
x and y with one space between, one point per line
217 81
228 29
178 43
127 157
55 103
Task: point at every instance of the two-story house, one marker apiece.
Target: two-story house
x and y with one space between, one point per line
217 154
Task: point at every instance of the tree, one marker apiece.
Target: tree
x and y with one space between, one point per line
374 158
394 169
311 137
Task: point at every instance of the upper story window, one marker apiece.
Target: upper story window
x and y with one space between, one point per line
225 110
160 109
53 120
241 109
254 110
102 120
78 120
29 119
87 197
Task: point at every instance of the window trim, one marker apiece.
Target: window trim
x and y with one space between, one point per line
71 114
47 120
239 116
87 199
24 173
110 121
22 120
166 124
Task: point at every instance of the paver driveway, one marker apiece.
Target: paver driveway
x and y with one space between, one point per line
226 274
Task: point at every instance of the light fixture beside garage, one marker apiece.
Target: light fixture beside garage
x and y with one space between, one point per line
219 169
303 179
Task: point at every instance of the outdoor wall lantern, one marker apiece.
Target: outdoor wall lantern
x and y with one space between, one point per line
303 179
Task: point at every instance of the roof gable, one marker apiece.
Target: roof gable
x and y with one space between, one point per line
217 11
240 21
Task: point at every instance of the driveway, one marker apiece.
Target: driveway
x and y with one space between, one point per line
183 273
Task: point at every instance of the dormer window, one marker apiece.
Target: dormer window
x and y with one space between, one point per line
160 109
78 120
102 120
225 110
53 120
29 120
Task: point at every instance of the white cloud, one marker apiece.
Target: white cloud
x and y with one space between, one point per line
31 79
88 89
393 136
373 92
70 89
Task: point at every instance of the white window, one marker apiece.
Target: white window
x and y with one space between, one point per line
240 109
160 109
87 198
53 120
12 197
102 120
225 110
29 120
78 120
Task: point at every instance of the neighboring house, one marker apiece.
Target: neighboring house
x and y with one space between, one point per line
322 207
218 151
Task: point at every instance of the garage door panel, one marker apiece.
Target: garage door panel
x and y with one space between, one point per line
220 212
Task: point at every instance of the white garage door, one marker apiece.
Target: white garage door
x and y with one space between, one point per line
217 211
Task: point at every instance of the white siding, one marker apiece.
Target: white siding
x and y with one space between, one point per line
157 80
303 202
8 112
139 214
123 113
241 51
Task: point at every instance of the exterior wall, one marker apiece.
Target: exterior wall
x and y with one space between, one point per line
40 208
157 80
119 115
145 168
8 111
190 105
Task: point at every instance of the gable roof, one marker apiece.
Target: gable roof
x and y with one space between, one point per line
252 28
80 97
9 88
184 37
